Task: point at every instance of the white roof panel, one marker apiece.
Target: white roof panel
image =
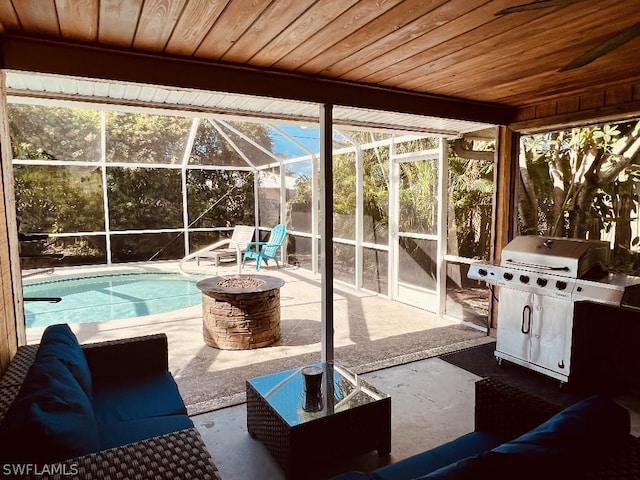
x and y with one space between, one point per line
27 84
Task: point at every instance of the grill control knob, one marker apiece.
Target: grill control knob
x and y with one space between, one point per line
482 272
524 278
508 276
542 282
561 285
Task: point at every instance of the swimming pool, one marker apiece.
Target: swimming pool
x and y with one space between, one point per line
109 297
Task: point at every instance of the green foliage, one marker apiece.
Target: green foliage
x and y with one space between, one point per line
470 203
53 199
140 138
220 198
584 181
54 133
144 198
210 148
418 196
63 199
376 195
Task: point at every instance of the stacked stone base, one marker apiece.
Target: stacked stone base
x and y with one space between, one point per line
240 321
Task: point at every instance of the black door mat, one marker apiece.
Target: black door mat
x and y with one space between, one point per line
481 361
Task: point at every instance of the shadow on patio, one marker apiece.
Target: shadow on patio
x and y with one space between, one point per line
371 332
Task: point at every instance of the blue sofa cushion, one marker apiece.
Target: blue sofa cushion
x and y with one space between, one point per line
356 476
151 396
563 445
122 433
58 341
51 419
473 468
467 445
470 444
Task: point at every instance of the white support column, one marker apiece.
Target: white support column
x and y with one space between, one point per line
315 215
185 198
394 186
283 209
256 203
105 196
326 229
359 216
443 200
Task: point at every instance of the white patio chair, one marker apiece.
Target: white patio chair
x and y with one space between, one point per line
236 245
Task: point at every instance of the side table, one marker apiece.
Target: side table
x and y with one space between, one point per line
355 418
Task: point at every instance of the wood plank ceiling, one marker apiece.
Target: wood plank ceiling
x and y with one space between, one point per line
456 48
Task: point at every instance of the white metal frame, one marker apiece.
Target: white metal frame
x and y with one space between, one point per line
441 155
318 166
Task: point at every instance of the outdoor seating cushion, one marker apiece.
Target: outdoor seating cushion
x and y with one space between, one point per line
561 447
59 342
131 400
50 419
470 444
62 412
123 433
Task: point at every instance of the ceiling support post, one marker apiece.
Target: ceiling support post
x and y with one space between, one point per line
326 230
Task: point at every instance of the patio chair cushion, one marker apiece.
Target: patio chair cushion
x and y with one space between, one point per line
132 400
59 342
50 419
123 433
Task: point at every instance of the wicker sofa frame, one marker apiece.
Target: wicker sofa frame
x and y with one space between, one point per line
510 412
178 455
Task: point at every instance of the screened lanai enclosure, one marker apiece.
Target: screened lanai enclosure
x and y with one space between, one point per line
140 175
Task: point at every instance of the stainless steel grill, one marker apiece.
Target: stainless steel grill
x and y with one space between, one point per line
540 278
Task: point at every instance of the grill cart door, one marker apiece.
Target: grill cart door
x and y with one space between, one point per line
551 334
515 315
535 331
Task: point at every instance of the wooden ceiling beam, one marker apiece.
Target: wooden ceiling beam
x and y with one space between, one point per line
62 58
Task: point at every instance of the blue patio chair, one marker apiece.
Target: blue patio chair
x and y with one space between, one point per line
266 250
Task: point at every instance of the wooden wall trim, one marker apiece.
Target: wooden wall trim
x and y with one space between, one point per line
599 106
12 329
504 202
37 55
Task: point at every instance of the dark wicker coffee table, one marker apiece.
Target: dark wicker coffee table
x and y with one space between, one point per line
355 418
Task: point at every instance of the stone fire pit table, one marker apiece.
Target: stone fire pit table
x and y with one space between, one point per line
241 312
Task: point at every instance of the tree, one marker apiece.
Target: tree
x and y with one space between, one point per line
54 133
580 182
67 199
470 199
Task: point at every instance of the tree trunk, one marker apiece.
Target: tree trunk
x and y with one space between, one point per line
623 206
527 201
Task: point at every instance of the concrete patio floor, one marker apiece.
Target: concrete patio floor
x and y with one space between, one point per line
393 346
432 403
371 333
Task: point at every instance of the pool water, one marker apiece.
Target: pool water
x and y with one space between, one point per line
109 297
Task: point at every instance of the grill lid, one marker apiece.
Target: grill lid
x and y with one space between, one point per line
567 257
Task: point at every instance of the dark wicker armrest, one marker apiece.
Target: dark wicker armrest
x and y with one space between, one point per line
623 464
507 411
116 360
179 455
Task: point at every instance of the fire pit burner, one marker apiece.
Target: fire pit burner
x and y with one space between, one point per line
240 282
241 312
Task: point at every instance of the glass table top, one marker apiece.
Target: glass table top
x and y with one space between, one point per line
285 392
